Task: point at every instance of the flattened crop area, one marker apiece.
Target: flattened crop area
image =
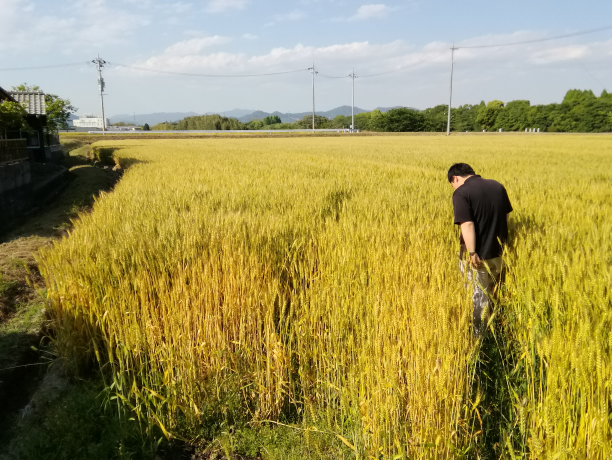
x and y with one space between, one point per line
314 282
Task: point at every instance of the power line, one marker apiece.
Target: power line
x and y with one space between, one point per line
208 75
425 58
557 37
328 76
576 34
74 64
589 72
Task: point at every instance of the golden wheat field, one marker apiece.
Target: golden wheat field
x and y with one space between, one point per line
314 283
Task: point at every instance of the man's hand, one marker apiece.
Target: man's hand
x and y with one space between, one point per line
475 261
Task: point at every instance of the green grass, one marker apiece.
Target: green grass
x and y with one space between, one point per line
78 425
19 332
6 286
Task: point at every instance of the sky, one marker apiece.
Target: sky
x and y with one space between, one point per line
407 42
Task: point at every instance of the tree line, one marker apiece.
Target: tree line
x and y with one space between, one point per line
580 111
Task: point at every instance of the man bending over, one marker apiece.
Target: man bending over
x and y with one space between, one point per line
481 208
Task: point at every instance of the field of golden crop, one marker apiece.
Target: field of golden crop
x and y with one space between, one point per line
314 283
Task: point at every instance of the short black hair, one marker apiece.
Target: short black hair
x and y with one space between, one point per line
461 170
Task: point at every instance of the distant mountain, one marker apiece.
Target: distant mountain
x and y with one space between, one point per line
151 118
243 115
234 113
291 117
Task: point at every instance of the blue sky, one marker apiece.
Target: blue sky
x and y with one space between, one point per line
250 36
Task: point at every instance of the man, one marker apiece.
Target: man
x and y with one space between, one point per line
481 208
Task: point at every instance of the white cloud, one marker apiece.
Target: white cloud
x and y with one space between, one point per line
89 23
558 54
365 12
218 6
294 15
397 60
194 45
187 56
378 10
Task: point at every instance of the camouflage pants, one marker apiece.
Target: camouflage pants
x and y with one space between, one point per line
482 281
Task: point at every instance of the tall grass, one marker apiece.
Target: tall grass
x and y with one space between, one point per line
315 282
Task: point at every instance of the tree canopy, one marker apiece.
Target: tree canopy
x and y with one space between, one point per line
12 117
580 111
58 109
271 120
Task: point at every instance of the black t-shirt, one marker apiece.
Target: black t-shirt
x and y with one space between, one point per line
484 202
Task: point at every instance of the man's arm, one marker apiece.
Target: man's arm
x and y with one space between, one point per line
469 237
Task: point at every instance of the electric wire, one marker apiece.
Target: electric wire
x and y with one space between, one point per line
524 42
425 58
328 76
538 40
208 75
589 72
74 64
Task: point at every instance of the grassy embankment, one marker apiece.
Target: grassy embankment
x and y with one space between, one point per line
44 413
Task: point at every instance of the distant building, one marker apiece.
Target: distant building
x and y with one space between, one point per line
123 128
91 122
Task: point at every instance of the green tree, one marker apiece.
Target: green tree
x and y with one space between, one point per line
362 121
255 124
271 120
435 118
378 120
340 121
463 118
515 116
146 127
487 115
164 126
12 117
404 120
204 122
58 109
578 96
605 96
58 112
306 122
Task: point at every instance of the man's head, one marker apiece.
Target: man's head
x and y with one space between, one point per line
458 173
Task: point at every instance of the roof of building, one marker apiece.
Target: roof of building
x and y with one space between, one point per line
5 96
34 101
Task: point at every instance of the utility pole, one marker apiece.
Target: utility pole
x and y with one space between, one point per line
353 76
450 101
314 72
101 63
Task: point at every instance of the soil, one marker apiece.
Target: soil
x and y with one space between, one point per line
22 366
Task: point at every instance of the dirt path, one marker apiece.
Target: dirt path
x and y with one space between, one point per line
22 288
